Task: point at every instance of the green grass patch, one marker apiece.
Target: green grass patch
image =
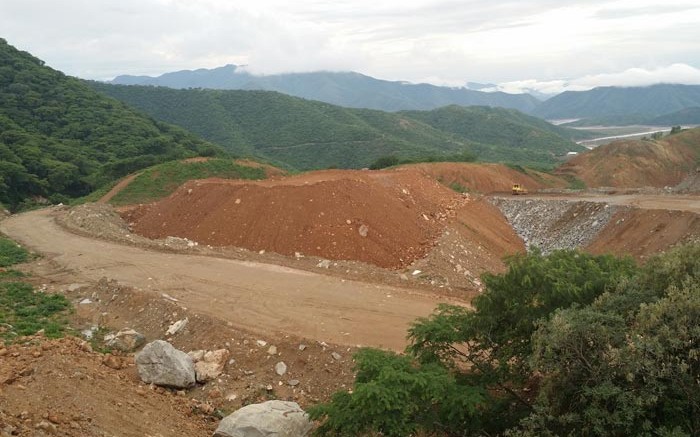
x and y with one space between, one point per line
11 253
456 186
24 311
161 180
574 182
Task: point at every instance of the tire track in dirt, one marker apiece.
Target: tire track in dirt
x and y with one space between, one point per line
257 297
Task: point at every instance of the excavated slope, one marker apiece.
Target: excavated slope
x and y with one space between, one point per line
637 163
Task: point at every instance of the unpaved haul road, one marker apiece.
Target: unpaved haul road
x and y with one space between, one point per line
676 202
257 297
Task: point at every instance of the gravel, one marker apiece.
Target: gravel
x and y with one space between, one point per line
555 224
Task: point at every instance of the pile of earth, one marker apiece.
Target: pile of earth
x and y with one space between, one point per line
637 163
487 178
387 218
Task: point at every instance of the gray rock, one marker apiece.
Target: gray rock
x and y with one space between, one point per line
336 355
271 418
281 368
161 364
126 340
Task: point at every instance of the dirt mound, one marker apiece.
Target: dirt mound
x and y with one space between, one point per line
637 163
386 218
486 178
644 232
61 387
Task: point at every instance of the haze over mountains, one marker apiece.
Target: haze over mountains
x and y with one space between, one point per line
610 105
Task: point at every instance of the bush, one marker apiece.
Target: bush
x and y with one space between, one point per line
384 162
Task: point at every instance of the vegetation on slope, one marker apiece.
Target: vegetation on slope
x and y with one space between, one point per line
60 139
557 345
599 102
310 135
161 180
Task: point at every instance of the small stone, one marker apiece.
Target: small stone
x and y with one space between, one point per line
177 327
293 382
112 362
46 426
215 393
280 368
336 356
272 350
231 397
261 343
302 347
363 230
324 264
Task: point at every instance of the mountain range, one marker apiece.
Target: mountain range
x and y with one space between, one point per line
348 89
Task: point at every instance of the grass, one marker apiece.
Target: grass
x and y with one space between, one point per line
11 253
574 182
456 186
161 180
23 310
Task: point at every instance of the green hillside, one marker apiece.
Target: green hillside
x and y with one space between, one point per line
304 134
60 139
684 116
502 134
632 102
161 180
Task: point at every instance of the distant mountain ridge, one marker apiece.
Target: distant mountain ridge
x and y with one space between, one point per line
631 102
348 89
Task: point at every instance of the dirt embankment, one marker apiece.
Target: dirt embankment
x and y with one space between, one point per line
637 163
388 218
486 178
644 232
621 225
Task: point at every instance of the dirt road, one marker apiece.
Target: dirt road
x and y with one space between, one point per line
690 203
256 297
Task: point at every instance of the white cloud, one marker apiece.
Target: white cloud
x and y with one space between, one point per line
441 41
675 73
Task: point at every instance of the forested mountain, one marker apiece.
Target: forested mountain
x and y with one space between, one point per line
682 117
644 102
307 134
59 138
349 89
504 134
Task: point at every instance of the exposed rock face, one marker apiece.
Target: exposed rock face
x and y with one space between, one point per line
125 340
161 364
271 418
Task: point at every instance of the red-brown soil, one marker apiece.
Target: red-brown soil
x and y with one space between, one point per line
637 163
387 218
487 178
644 232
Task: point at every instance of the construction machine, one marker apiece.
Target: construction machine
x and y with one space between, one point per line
519 189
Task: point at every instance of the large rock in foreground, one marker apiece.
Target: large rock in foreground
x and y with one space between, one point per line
161 364
271 418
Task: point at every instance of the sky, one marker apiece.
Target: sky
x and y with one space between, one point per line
534 45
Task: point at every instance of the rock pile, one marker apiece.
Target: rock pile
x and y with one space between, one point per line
555 224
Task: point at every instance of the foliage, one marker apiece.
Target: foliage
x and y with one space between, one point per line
396 396
306 134
675 130
384 162
61 139
11 253
629 363
485 349
161 180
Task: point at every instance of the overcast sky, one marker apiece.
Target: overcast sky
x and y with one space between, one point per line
547 45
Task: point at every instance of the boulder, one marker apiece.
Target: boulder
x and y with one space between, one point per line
271 418
160 363
125 340
210 365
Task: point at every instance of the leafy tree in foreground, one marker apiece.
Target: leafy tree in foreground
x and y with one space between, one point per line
483 351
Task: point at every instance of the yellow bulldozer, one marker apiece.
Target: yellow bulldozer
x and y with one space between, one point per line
519 189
